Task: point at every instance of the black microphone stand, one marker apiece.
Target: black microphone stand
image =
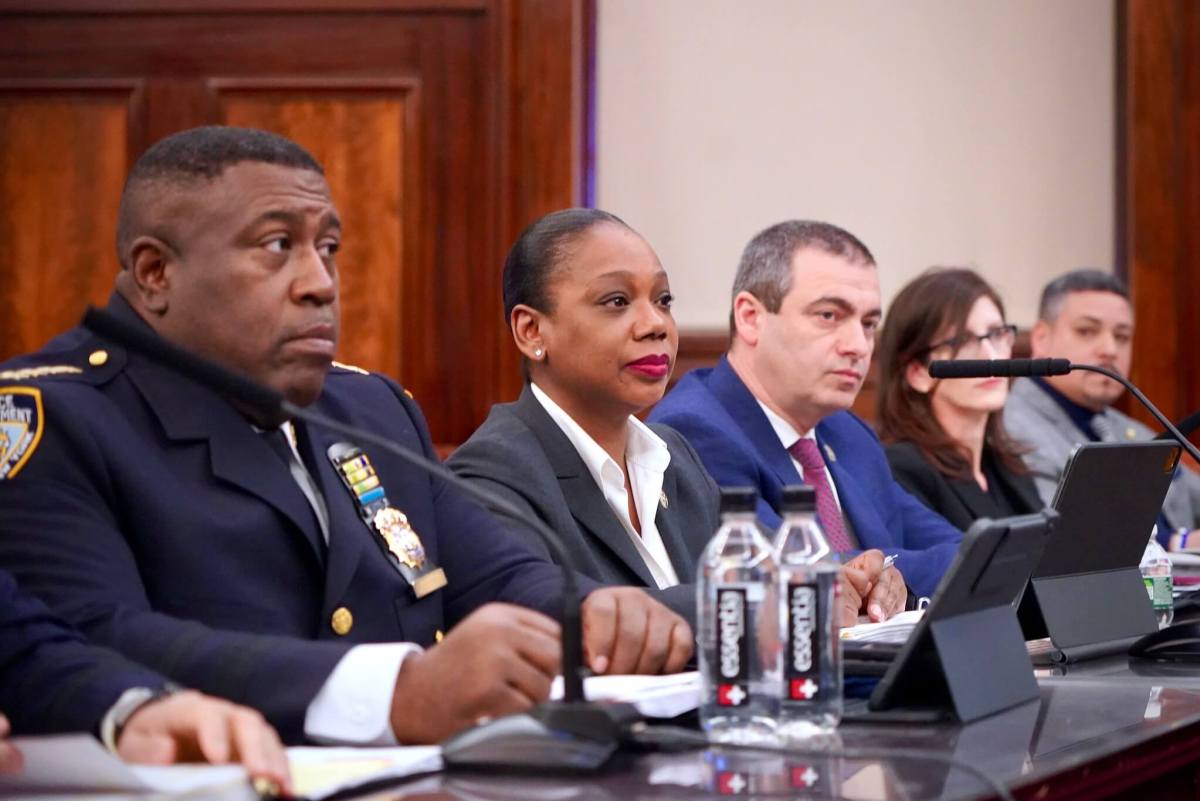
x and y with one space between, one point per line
1137 393
1186 426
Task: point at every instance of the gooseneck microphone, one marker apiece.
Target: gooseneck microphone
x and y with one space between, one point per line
598 728
1016 368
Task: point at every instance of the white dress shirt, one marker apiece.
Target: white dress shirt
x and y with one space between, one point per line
647 458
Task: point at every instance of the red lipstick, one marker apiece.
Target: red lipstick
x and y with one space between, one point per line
656 366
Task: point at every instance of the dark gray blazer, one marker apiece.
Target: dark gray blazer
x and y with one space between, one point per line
522 455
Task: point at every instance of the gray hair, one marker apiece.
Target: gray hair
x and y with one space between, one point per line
765 270
1085 280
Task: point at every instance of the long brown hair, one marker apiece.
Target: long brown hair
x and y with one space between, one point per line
933 306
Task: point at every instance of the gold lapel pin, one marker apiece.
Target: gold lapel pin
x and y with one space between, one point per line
662 500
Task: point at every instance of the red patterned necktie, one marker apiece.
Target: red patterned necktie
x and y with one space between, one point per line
808 454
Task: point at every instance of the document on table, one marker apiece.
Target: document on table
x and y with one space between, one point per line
894 630
74 764
654 696
321 772
78 763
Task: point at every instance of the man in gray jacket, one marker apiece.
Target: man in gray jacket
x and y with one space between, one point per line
1085 316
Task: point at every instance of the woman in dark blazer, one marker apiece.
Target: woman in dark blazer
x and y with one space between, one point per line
589 306
945 439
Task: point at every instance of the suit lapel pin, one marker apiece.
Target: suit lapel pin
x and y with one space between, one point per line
662 499
829 454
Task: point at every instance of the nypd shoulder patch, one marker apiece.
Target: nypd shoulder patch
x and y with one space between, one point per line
21 422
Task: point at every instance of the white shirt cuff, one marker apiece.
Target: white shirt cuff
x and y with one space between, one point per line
354 705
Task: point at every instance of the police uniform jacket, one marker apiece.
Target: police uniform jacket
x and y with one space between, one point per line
50 679
156 519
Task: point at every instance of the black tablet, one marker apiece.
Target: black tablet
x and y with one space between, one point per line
966 657
1086 593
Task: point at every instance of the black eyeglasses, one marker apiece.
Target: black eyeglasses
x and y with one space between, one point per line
968 345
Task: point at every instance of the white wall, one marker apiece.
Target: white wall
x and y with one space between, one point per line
976 132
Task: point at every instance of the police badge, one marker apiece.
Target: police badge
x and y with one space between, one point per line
394 534
21 421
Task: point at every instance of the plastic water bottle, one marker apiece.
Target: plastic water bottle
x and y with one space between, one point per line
1156 575
737 598
812 664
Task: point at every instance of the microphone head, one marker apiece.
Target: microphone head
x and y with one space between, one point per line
1000 368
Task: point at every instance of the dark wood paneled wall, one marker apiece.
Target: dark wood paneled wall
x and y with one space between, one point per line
1158 90
444 126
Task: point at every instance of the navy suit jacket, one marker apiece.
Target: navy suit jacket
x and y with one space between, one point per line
727 427
154 518
50 679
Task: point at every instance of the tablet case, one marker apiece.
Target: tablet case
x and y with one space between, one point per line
1086 593
967 655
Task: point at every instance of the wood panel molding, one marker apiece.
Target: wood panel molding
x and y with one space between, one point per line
60 256
1159 201
226 7
457 123
355 128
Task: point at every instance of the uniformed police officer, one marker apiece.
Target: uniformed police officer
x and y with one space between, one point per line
260 560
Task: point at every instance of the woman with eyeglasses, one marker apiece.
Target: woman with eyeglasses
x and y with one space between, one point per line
945 439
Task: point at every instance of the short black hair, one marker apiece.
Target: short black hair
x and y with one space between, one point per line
1084 280
539 249
201 154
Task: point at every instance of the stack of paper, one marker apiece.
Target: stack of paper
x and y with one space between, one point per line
894 630
654 696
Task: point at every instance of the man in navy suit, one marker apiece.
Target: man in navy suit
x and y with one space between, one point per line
806 305
52 681
264 560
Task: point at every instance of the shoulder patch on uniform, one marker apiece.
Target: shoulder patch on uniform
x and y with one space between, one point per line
21 421
25 373
352 368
